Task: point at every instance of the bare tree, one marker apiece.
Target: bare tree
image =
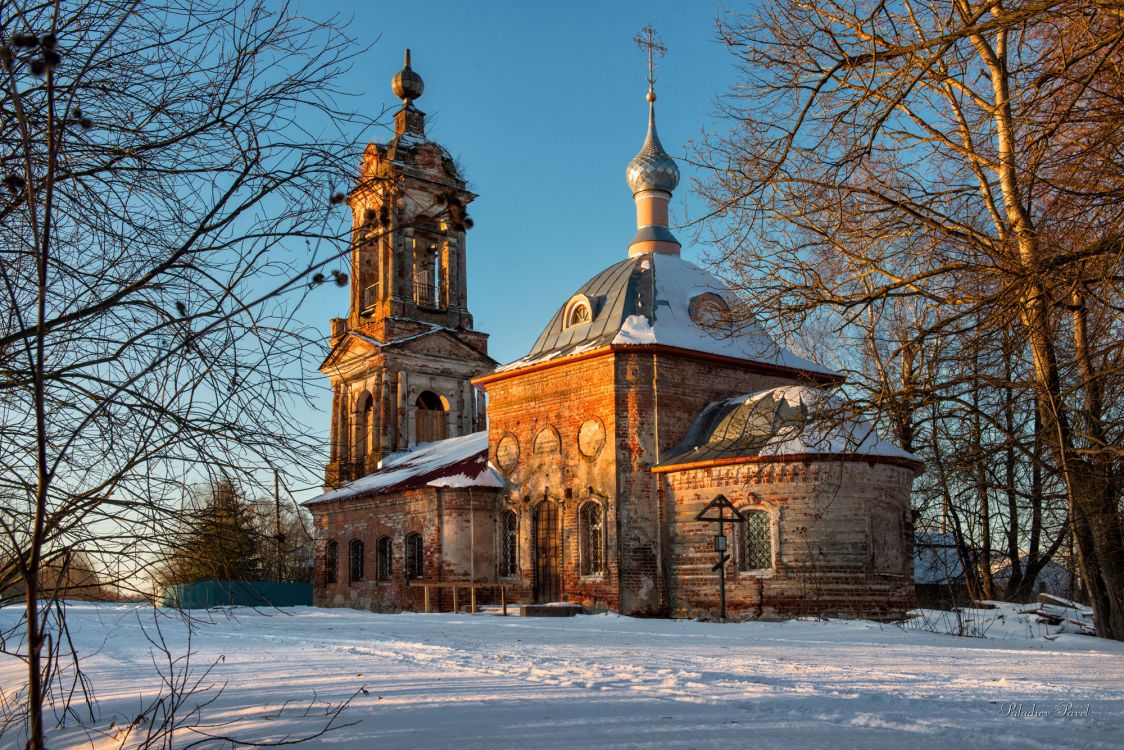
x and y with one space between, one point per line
285 533
961 157
168 173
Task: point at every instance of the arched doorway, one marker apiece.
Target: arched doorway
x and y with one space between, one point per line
548 552
430 417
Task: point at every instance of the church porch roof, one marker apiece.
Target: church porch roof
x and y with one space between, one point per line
455 462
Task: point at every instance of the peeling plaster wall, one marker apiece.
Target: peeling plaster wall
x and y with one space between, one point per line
459 543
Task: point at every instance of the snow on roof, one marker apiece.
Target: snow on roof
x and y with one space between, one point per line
1054 578
935 559
647 300
456 462
792 420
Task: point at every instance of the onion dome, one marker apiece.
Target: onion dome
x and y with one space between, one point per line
407 84
652 168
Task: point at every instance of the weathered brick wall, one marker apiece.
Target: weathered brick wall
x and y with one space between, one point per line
560 398
459 543
657 397
642 554
645 401
840 532
685 386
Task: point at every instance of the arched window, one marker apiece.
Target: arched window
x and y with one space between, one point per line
384 562
578 311
430 417
364 417
355 555
709 311
509 544
591 535
413 556
331 561
579 314
756 541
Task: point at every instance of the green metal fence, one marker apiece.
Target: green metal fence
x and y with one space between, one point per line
206 594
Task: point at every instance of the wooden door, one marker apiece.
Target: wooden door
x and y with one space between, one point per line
548 553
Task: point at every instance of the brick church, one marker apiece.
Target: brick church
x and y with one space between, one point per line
578 473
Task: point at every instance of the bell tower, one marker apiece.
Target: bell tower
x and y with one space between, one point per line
409 218
401 361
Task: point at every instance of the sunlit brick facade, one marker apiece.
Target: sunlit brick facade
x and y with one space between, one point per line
642 401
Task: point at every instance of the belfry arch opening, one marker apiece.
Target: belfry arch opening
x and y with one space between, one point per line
431 414
364 420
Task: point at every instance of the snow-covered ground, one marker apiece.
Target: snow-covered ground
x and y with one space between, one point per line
463 681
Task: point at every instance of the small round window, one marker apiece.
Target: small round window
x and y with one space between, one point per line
710 311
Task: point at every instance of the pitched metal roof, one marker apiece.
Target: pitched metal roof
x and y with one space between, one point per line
455 462
794 420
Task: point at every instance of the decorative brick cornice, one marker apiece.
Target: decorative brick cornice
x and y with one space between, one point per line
807 458
764 368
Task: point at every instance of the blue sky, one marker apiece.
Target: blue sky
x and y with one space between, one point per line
543 105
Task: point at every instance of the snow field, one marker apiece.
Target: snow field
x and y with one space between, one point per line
463 681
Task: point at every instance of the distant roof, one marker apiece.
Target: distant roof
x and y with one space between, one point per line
1053 578
647 300
456 462
786 421
935 559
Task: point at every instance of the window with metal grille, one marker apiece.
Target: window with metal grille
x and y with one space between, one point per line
509 544
591 536
384 562
414 556
355 550
331 561
757 541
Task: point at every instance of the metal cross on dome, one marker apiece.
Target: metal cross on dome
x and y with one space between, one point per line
648 38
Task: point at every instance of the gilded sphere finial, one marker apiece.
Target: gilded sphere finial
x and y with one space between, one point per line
407 84
651 95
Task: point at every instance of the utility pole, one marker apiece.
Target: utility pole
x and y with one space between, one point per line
277 520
